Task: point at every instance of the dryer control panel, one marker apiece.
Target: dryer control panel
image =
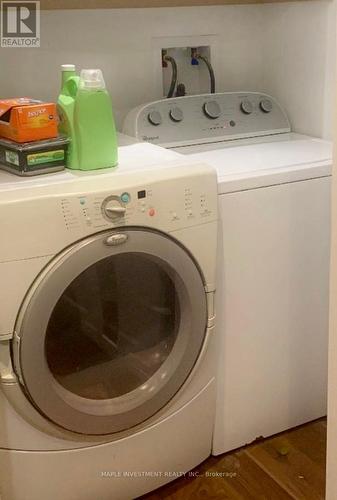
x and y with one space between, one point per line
207 118
169 199
171 208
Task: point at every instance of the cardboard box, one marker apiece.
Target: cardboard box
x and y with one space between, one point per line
25 120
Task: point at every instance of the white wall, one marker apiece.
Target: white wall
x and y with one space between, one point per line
282 49
331 479
299 67
121 43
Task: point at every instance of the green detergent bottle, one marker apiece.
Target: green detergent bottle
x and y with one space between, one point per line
66 105
86 117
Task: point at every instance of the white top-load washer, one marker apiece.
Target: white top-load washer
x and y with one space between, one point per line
272 291
107 354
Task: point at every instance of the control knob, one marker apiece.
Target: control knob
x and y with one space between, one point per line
212 110
176 115
155 118
247 107
113 209
266 105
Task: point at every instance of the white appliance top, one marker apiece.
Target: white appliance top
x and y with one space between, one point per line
245 136
264 162
133 157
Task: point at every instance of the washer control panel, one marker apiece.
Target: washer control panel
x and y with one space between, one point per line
207 118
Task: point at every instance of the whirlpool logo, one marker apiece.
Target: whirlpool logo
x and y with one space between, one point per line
20 24
149 138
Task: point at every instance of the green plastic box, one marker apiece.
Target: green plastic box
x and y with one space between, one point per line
33 158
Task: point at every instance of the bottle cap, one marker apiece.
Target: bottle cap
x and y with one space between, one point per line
92 79
68 67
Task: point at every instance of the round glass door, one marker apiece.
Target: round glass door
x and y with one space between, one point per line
111 341
110 333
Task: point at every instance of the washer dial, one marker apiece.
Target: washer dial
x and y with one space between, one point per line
155 118
247 107
266 105
212 110
176 115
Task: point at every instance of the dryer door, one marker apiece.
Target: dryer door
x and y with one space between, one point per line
111 331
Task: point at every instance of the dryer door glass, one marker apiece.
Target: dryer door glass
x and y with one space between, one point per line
111 341
110 333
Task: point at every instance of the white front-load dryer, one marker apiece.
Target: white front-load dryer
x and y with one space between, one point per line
274 242
107 355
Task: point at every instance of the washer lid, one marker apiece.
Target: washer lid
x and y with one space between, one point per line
250 166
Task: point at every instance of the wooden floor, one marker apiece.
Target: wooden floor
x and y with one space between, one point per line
290 465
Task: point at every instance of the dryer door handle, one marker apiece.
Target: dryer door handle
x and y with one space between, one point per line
210 309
